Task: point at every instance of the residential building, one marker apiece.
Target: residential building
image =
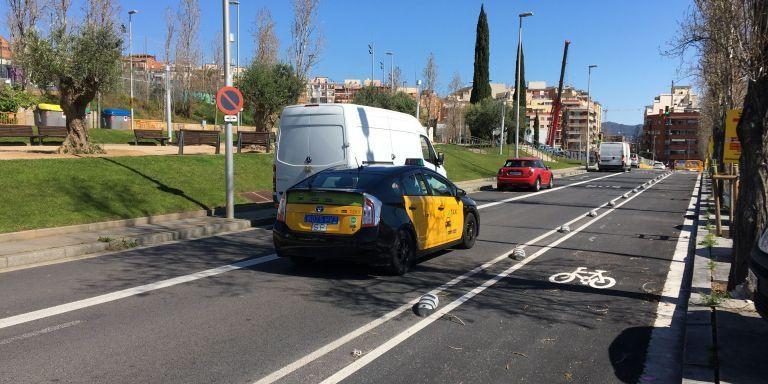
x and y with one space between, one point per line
319 90
671 126
144 62
6 51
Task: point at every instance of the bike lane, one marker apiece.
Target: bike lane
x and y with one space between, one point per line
526 328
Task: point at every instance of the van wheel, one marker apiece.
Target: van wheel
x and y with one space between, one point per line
469 236
401 254
536 185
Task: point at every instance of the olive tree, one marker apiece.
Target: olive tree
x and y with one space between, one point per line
78 61
267 88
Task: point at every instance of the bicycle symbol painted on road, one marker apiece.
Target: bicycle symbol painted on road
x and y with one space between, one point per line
593 279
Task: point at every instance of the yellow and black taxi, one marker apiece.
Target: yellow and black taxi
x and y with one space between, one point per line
381 215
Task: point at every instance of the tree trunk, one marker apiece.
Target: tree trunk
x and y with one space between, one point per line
77 140
752 207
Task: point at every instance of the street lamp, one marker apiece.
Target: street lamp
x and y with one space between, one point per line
418 99
130 54
589 137
517 79
372 52
503 115
381 65
392 69
237 60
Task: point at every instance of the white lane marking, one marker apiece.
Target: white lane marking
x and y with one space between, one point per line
96 300
39 332
316 354
660 360
543 191
412 330
320 352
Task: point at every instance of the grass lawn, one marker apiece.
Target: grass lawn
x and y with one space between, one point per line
56 192
468 164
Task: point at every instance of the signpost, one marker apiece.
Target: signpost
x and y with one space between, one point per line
732 146
229 100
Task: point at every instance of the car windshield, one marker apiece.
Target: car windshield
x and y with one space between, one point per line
519 163
347 179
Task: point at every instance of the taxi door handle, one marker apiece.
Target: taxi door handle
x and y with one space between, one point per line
412 207
440 208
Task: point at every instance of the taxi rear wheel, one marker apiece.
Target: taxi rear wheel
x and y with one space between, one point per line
470 232
401 254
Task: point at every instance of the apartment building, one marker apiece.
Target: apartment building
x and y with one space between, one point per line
671 126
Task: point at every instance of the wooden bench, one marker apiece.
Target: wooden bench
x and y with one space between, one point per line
155 134
18 131
198 137
253 138
47 131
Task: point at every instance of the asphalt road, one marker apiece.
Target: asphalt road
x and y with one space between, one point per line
223 309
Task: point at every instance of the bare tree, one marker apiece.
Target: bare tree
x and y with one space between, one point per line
267 44
60 12
395 77
306 42
454 110
170 30
22 17
430 87
187 51
101 12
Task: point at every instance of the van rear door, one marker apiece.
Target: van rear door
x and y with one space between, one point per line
311 138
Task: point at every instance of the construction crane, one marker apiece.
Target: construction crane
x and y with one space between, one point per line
555 117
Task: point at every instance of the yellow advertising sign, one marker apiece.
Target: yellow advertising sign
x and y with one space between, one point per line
732 146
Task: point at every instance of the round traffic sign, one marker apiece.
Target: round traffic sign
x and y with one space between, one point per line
229 100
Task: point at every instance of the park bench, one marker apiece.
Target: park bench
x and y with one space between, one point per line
18 131
155 134
198 137
47 131
253 138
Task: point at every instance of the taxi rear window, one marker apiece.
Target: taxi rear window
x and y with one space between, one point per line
340 180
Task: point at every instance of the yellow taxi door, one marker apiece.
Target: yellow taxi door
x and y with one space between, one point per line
415 196
448 220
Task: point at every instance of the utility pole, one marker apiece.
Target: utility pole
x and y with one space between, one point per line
589 136
130 54
168 102
517 80
503 115
228 167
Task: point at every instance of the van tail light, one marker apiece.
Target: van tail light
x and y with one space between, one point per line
371 211
530 171
622 158
281 208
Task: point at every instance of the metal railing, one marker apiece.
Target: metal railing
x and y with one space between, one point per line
8 118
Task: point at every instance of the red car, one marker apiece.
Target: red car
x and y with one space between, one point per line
527 171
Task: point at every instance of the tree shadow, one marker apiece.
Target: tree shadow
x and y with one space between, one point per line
160 186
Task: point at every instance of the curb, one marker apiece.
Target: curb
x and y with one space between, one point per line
70 251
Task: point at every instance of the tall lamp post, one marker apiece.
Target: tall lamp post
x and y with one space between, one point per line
372 52
503 115
237 43
517 79
418 99
392 69
228 165
130 54
589 136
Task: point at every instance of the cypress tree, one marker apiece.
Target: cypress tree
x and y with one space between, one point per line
523 98
536 129
481 87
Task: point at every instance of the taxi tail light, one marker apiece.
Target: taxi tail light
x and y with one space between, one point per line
281 208
371 211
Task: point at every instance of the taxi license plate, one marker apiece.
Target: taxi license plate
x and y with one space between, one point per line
321 219
319 227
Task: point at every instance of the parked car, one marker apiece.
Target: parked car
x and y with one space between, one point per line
528 172
614 156
658 165
382 215
759 266
314 137
634 160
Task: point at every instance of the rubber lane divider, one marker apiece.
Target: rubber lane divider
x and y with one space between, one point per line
487 205
412 330
322 351
96 300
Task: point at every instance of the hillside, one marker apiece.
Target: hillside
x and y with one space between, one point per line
628 131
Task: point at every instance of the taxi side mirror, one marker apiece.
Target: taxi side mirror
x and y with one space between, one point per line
440 158
460 192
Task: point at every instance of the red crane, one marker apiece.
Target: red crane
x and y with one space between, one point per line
555 117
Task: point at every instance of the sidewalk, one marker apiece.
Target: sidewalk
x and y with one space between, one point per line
725 338
27 248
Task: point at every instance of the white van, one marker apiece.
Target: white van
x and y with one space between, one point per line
615 155
314 137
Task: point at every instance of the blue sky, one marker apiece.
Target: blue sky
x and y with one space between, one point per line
624 38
